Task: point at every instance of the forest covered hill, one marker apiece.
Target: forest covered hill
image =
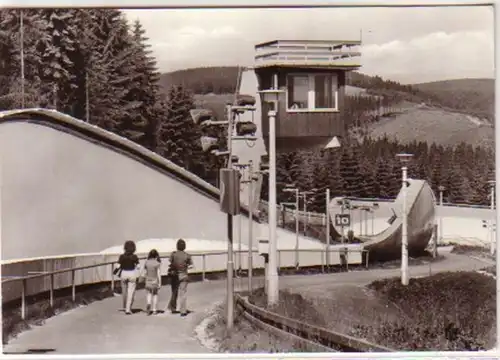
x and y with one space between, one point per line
442 112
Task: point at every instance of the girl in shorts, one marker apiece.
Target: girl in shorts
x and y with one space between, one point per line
152 274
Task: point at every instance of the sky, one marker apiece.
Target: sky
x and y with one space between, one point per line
409 45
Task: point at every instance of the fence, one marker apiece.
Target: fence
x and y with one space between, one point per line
26 278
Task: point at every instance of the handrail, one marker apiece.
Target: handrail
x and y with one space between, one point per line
325 337
12 292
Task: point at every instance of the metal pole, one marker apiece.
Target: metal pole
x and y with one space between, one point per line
404 242
21 35
492 207
305 216
87 101
360 221
273 290
230 263
441 217
366 221
250 226
297 228
327 213
342 226
373 215
239 244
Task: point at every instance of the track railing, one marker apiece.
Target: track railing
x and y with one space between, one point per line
33 277
321 338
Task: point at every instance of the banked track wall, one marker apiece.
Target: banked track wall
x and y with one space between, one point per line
68 188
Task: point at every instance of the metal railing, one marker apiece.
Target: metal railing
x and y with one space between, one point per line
322 337
20 282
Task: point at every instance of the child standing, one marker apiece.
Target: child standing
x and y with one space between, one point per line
152 274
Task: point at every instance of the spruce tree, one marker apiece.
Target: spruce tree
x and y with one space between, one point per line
176 135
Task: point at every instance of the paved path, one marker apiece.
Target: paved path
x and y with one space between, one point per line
101 328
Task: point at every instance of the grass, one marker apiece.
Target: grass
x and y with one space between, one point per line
452 311
433 125
247 337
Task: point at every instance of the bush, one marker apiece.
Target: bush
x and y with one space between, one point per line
444 312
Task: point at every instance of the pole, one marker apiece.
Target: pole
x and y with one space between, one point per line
373 215
297 228
250 226
404 242
361 222
366 221
441 216
492 207
273 293
305 214
230 263
342 226
21 40
87 102
239 245
327 213
271 276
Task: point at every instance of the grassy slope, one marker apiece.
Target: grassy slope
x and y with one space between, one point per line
435 125
443 126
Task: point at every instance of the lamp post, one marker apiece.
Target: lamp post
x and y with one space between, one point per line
441 189
404 159
271 96
296 192
492 207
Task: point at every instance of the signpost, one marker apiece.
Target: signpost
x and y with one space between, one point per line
343 220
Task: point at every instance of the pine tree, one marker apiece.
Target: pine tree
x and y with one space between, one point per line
58 51
143 95
33 34
384 179
177 137
349 171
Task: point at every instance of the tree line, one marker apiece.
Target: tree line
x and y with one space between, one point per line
370 169
96 66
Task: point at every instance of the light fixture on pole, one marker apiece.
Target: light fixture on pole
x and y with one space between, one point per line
404 158
272 96
441 189
296 192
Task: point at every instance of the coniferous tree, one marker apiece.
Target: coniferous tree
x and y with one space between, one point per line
177 135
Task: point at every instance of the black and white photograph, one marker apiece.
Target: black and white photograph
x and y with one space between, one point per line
248 180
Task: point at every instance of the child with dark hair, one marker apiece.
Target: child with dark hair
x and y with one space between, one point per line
129 263
152 274
180 262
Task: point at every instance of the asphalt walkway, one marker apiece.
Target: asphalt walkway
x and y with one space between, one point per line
101 328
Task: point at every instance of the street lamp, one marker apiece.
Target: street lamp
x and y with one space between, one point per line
296 192
272 96
404 159
441 189
492 207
